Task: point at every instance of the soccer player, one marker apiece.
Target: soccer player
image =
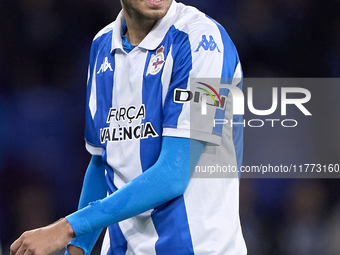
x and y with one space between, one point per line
145 148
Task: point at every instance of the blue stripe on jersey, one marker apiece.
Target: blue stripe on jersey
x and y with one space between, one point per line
230 58
109 177
118 243
220 114
104 92
91 134
175 240
152 100
171 223
238 136
104 77
230 61
152 94
180 76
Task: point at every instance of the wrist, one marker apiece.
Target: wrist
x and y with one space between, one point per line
74 250
66 226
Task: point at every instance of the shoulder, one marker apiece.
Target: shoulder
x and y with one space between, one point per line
203 41
105 32
102 40
192 21
201 29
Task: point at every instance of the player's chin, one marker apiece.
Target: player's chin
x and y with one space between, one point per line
155 14
156 9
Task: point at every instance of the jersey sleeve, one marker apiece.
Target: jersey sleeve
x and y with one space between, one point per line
198 55
167 179
92 139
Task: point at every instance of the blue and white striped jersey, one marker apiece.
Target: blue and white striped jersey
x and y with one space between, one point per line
130 106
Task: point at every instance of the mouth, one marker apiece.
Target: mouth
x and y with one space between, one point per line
154 3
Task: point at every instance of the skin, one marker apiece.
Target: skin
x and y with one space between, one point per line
42 241
140 16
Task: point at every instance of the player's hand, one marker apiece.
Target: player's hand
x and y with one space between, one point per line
43 241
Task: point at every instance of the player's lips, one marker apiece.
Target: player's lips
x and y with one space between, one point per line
154 3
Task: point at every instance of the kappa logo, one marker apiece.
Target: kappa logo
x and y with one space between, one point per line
106 65
156 62
207 45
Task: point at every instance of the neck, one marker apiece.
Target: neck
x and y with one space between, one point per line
137 30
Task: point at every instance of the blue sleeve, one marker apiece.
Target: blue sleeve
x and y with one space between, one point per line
94 188
166 179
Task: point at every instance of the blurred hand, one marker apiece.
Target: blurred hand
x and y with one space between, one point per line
43 241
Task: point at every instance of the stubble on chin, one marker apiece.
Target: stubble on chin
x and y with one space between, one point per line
138 12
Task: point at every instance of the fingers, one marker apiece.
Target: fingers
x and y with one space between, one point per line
22 250
21 247
15 246
28 252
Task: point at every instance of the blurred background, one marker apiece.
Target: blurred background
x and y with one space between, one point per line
44 49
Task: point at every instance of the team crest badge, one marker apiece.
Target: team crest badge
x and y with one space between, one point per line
156 62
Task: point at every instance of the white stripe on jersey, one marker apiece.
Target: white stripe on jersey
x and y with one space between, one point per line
127 91
140 233
93 97
106 243
166 76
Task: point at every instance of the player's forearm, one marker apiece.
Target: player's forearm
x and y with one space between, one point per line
165 180
94 188
94 185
